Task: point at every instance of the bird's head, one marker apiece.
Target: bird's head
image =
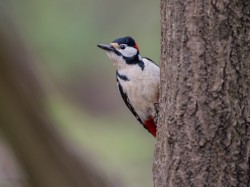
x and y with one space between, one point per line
122 51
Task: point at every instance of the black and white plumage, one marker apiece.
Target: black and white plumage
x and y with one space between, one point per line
137 78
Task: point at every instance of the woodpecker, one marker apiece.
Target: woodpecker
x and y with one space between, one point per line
138 80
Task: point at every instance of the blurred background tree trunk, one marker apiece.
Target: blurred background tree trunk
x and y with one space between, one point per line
47 159
204 126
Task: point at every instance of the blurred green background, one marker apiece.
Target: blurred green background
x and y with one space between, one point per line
61 36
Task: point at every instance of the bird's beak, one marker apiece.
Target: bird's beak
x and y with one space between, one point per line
105 47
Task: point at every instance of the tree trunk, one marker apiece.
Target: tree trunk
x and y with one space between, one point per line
204 125
45 156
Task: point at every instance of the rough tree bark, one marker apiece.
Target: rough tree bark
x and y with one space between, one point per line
204 126
45 156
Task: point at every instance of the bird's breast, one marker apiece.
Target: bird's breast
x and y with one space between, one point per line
142 94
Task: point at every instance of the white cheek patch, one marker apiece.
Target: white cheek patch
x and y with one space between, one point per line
128 52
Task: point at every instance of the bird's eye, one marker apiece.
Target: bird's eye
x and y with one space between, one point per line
122 46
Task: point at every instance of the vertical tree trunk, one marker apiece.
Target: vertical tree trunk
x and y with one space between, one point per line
204 127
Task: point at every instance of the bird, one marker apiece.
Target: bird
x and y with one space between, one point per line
138 80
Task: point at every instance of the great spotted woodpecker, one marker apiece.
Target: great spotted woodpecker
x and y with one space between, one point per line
138 80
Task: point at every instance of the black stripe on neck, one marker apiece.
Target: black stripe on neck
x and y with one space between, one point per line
132 60
135 60
122 77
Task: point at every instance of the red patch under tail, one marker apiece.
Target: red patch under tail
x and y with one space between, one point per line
150 125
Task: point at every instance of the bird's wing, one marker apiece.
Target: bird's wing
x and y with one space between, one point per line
150 60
